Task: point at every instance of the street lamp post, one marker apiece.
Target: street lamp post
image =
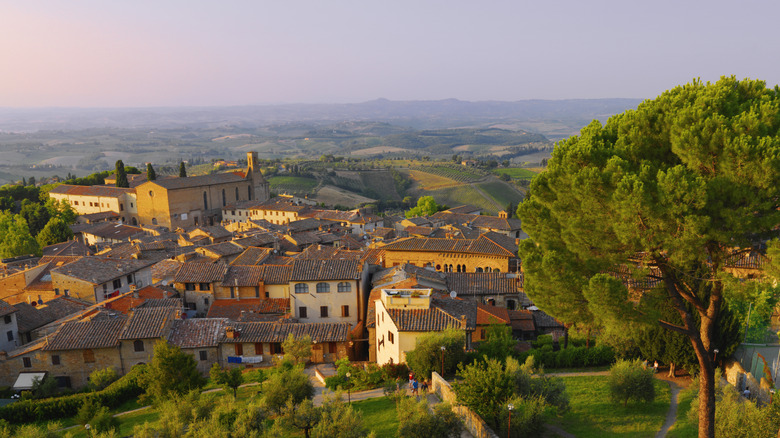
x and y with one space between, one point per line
509 407
715 358
349 397
442 361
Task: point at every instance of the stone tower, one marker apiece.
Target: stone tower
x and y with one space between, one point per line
260 189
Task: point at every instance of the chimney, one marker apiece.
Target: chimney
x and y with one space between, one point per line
503 214
134 291
231 333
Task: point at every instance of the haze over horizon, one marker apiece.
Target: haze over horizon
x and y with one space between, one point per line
88 53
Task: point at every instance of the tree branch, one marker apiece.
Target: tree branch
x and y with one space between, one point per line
674 327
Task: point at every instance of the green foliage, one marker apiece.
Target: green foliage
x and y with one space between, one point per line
151 175
60 210
36 216
285 383
300 416
121 175
528 417
229 378
485 387
177 414
427 354
759 298
100 379
55 231
737 417
50 430
572 357
103 422
87 410
417 421
44 388
426 206
498 343
339 420
630 380
15 237
297 349
171 372
28 411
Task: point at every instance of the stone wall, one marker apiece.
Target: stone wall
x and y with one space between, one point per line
471 421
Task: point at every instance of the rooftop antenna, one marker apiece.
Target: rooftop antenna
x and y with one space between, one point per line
453 294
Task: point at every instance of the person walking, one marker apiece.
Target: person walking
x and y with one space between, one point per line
414 387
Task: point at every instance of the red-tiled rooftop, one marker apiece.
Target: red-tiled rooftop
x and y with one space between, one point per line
233 309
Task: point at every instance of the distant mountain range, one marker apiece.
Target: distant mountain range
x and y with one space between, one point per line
552 118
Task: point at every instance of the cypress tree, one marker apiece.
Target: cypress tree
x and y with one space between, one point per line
121 175
182 170
150 174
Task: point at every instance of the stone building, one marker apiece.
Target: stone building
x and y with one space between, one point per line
482 254
198 200
97 199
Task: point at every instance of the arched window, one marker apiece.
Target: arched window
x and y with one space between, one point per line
301 288
236 193
224 199
205 202
323 287
345 286
496 270
479 270
154 221
138 345
438 267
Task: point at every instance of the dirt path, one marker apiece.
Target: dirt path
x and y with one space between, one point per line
671 416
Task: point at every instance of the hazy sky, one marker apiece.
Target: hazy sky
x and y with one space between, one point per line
172 53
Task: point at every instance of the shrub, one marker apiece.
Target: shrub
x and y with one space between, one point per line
629 380
104 421
100 379
528 417
427 355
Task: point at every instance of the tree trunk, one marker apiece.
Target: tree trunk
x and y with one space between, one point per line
672 373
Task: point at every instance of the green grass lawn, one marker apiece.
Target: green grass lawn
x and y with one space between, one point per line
593 415
379 415
501 192
683 428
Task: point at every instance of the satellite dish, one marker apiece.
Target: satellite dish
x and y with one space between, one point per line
165 282
453 294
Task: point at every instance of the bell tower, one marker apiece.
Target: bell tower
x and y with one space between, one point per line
260 187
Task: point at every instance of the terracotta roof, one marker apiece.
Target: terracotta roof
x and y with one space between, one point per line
6 309
243 276
420 231
240 310
277 274
147 323
31 317
98 217
480 245
108 191
279 261
165 268
465 209
252 256
279 204
478 221
222 249
113 231
483 283
543 320
522 320
256 240
195 272
96 333
69 248
373 256
174 303
314 270
196 332
213 231
745 260
97 270
242 205
278 331
487 315
325 252
197 181
442 314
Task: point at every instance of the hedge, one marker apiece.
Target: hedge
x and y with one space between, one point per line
28 411
572 357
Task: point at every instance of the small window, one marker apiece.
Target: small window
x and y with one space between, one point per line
345 286
482 333
56 291
323 287
204 355
10 335
154 221
7 319
205 286
206 301
27 362
89 356
189 286
258 348
301 288
276 348
130 279
332 348
236 193
232 292
121 207
345 311
302 313
224 199
117 283
239 349
391 337
55 359
105 288
323 311
267 294
138 345
66 292
257 291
